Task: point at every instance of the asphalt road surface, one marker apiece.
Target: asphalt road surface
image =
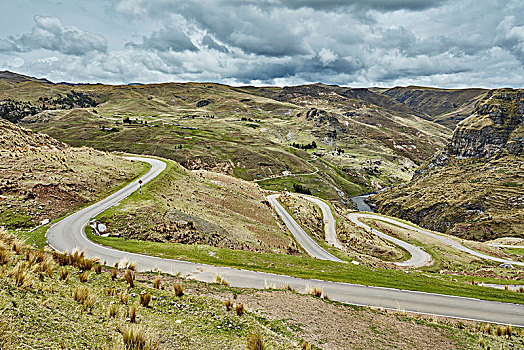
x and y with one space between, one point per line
67 234
329 221
418 258
309 245
354 217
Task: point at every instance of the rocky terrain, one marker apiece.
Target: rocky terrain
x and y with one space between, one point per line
474 187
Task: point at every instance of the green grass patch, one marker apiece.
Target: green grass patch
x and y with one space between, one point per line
305 267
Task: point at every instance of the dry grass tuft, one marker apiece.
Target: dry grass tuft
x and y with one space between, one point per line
20 275
83 276
305 345
145 298
113 310
255 342
129 276
5 335
137 338
132 266
482 343
315 291
229 304
89 303
123 297
240 309
5 256
98 268
220 280
80 294
17 245
156 282
178 289
64 274
131 313
111 291
114 274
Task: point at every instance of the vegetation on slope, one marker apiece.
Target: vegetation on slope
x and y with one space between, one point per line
474 188
68 301
42 178
247 132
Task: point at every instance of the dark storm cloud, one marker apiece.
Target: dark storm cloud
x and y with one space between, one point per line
166 39
208 41
49 33
329 5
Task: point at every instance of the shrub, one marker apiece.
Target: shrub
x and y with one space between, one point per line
83 276
98 268
114 274
240 309
129 276
145 298
499 330
229 304
156 282
178 289
255 342
136 338
486 329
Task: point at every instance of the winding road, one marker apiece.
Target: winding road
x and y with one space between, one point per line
329 221
68 234
355 216
310 246
418 258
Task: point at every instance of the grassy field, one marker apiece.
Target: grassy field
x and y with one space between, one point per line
60 301
305 267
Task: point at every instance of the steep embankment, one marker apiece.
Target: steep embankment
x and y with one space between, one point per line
474 188
42 178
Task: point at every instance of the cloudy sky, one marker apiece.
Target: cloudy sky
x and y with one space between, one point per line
267 42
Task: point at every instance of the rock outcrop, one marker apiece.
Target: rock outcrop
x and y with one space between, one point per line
497 125
472 187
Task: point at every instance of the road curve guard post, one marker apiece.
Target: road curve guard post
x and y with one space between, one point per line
140 184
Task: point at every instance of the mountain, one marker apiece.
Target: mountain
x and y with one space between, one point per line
444 106
474 187
20 78
364 140
14 137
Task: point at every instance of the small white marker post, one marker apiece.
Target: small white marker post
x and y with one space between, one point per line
140 183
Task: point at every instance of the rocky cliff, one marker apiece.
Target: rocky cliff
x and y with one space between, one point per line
474 187
496 126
